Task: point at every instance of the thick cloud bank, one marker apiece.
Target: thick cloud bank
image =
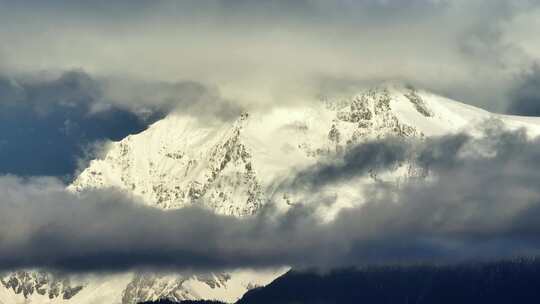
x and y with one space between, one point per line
481 200
276 51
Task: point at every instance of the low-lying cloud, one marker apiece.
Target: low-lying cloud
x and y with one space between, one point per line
473 205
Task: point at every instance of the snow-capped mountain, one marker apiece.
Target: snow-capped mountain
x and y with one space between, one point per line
234 169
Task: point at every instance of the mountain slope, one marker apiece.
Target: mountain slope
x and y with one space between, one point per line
234 169
496 282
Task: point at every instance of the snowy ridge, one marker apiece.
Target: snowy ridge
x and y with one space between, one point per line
179 162
42 283
234 169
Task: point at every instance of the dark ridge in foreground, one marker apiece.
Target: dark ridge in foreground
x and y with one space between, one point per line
515 281
183 302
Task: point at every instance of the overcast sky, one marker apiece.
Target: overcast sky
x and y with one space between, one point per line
477 51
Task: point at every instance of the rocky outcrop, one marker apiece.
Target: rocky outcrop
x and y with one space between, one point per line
27 283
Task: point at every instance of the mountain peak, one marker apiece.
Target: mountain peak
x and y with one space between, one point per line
227 167
235 168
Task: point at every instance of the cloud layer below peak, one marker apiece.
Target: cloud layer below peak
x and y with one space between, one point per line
474 207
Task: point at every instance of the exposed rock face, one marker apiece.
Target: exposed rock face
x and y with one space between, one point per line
372 115
148 286
419 103
42 283
160 287
176 174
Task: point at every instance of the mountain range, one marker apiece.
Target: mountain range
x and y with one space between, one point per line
235 168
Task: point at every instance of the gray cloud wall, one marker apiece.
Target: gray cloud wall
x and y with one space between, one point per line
477 207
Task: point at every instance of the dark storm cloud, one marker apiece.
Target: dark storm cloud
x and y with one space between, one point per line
379 156
525 98
358 161
482 206
48 123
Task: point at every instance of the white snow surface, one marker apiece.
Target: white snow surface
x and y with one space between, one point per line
234 168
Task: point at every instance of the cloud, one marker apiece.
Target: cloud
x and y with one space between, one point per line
357 161
381 156
474 205
49 121
46 124
186 97
525 97
259 52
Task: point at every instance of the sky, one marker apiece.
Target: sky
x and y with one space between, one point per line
75 75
